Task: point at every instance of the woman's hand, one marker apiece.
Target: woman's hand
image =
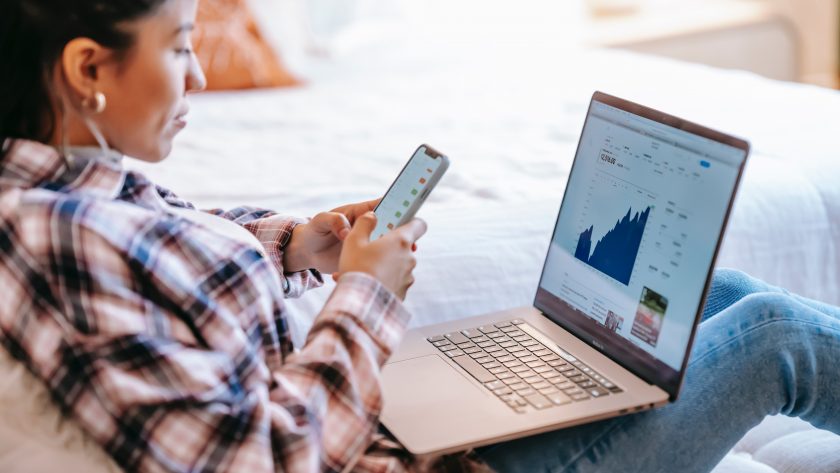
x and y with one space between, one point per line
317 244
389 259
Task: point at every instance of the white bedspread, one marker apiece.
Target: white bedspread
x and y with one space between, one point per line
509 118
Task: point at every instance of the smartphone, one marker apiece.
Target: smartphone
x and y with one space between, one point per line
414 183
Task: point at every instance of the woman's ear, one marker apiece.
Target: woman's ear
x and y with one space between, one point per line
81 61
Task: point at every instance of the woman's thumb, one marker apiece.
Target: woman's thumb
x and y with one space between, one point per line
363 227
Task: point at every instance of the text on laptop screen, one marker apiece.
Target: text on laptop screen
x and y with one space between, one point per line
637 231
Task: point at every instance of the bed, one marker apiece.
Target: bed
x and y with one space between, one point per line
509 116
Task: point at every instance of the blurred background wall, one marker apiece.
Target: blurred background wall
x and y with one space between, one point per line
795 40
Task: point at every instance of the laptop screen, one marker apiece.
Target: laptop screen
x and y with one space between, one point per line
636 236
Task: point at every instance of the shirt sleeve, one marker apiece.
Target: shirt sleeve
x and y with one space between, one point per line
168 354
271 229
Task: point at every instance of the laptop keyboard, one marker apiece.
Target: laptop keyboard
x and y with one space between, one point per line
520 370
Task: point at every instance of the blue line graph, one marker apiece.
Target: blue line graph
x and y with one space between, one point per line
615 253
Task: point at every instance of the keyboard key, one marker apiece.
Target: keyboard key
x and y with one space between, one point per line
505 375
436 338
503 356
518 385
507 344
532 379
551 375
478 354
457 337
476 370
545 352
541 385
511 364
549 390
588 384
510 381
486 329
497 370
517 349
579 396
519 409
525 391
527 373
519 369
564 384
566 356
502 324
521 338
447 347
486 344
536 347
616 389
517 321
471 333
510 328
480 339
538 364
502 391
492 349
486 359
597 392
550 358
571 373
538 400
441 343
466 345
488 365
528 358
559 398
493 385
514 333
531 342
455 352
472 349
578 379
498 337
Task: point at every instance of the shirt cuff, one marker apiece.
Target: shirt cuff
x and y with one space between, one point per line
380 312
274 233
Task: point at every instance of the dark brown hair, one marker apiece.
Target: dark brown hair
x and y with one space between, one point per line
33 34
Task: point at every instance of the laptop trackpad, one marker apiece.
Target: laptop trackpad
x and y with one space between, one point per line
424 395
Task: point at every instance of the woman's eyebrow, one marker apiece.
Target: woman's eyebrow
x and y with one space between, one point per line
186 27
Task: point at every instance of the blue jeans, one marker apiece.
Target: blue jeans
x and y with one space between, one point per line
759 351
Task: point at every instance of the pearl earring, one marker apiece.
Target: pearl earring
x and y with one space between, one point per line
96 104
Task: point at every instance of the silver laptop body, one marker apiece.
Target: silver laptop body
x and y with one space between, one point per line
618 303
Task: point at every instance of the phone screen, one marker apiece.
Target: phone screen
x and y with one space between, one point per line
408 191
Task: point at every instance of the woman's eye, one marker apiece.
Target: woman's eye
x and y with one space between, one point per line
186 51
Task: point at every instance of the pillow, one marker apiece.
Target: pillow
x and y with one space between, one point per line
232 51
34 436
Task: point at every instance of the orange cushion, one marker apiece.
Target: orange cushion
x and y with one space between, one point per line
231 50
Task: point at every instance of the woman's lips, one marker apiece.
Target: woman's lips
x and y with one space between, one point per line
180 120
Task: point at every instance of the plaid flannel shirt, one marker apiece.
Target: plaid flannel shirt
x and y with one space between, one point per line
168 343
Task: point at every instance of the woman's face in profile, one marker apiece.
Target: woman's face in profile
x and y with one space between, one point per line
146 90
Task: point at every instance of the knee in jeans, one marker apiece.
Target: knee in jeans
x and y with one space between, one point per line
770 306
734 281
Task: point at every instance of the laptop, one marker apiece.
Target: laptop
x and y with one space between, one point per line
617 305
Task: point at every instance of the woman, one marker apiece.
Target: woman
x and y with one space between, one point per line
162 329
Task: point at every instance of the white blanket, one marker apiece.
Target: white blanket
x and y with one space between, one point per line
509 118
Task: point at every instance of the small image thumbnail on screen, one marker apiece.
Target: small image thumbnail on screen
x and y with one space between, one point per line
614 322
649 316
